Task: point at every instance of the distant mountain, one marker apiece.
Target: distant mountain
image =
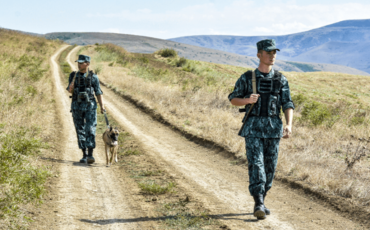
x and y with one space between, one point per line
141 44
344 43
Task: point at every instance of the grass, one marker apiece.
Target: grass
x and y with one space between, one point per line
181 217
26 90
64 66
151 187
330 108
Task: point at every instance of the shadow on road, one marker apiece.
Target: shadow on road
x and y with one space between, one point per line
74 163
229 216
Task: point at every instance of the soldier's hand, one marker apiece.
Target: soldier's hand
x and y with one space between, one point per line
102 110
71 87
287 132
253 98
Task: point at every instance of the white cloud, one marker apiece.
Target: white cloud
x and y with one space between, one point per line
240 17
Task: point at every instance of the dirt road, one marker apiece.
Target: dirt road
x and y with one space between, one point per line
221 186
85 197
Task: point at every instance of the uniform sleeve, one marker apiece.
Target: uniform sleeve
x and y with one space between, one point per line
240 89
70 79
286 99
96 85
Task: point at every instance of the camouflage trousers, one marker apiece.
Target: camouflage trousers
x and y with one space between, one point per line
85 124
262 155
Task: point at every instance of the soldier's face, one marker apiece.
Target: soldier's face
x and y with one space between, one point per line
83 66
267 58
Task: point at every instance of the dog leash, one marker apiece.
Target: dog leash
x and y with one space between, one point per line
106 119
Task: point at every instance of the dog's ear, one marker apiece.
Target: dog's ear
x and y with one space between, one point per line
111 129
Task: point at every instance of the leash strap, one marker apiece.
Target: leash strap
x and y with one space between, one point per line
106 119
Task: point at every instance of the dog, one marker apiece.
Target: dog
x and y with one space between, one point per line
110 138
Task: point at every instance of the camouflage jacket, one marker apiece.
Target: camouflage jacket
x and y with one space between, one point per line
263 126
95 88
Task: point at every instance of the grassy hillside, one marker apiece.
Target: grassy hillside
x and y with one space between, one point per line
328 151
26 106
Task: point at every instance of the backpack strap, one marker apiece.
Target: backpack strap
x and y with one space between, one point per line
277 82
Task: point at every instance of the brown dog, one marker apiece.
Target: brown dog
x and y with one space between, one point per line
110 138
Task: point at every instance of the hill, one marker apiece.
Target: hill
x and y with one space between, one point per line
344 43
141 44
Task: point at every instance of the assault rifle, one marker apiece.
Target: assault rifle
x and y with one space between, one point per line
254 85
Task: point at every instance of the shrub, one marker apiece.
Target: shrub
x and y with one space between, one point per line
144 59
181 62
299 99
98 69
315 113
168 52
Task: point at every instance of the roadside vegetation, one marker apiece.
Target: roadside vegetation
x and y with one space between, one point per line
64 66
27 104
330 124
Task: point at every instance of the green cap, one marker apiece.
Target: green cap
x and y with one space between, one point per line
83 58
267 45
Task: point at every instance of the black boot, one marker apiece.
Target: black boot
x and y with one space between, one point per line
90 158
84 156
267 211
259 208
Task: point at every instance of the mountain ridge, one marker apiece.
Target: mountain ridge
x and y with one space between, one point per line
293 46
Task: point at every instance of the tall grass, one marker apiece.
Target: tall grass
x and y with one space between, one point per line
332 110
27 106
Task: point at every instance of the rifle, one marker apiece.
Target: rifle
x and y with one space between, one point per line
254 85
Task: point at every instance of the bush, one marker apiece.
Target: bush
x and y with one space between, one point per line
181 62
299 99
315 113
168 52
98 69
144 59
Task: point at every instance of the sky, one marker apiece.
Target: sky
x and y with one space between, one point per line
171 18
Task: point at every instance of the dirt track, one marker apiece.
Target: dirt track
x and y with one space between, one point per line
86 197
93 197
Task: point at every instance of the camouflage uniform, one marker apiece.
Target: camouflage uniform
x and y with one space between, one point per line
84 113
262 133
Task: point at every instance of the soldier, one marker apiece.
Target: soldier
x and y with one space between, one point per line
263 128
84 106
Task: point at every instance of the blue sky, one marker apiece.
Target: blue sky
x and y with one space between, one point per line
169 19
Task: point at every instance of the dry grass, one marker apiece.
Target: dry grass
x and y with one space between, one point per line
27 105
194 98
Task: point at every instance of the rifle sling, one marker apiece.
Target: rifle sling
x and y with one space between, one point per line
254 86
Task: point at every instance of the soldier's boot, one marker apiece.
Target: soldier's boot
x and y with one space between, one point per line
267 211
90 158
259 207
84 156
